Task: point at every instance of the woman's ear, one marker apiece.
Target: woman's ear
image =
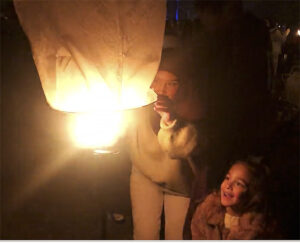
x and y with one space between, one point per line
182 93
189 105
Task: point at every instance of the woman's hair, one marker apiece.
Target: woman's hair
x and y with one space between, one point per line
180 62
256 198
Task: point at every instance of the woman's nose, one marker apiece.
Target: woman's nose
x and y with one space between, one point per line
159 89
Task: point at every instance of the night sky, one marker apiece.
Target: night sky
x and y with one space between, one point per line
284 12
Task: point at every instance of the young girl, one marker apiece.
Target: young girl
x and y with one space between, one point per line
238 210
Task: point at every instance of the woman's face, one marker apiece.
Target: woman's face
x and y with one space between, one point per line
165 83
235 185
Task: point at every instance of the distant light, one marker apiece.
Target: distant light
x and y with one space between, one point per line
177 9
298 33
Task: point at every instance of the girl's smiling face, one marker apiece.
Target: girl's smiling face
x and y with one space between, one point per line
234 187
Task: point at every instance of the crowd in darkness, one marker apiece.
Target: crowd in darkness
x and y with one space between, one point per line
264 57
283 46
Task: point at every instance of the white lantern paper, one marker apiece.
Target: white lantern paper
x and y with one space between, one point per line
95 54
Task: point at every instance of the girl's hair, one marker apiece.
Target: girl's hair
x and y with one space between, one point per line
256 198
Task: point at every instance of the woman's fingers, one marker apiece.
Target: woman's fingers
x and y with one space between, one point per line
165 107
163 101
165 110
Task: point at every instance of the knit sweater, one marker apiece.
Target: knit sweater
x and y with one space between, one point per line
163 157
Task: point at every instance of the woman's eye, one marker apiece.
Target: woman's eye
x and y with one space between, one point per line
173 83
226 177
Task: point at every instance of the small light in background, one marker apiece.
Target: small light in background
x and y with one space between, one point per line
298 32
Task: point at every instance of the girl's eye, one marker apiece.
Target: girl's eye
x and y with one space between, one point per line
239 184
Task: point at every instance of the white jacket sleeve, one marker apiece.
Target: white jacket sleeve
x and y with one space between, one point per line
178 139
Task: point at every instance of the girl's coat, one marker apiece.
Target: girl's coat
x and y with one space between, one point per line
208 223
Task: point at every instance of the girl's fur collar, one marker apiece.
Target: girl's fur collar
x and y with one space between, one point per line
251 223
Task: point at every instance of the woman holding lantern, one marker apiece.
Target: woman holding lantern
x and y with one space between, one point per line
162 142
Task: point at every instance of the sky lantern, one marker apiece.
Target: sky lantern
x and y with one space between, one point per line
95 58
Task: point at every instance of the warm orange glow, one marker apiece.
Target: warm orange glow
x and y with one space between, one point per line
104 123
98 130
91 61
99 97
95 63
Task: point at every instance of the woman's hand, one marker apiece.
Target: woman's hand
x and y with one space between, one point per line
165 107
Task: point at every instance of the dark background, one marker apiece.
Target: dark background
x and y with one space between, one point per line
50 189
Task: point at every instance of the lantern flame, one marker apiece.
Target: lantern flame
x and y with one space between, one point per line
97 130
102 126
